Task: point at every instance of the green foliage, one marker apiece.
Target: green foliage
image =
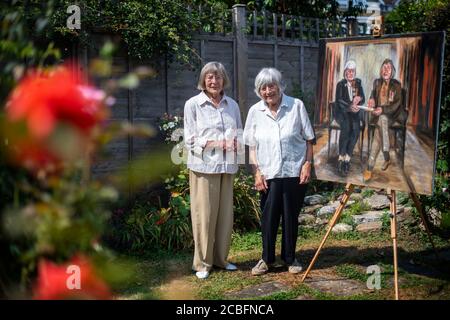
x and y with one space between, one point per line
22 40
421 16
145 227
246 241
150 29
367 192
21 47
351 271
386 220
176 227
356 208
306 97
245 203
314 9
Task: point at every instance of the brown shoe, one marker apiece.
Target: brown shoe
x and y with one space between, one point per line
385 165
367 175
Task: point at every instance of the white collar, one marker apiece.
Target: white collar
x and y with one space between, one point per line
202 98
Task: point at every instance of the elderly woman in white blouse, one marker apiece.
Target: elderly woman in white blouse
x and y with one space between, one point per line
280 136
211 122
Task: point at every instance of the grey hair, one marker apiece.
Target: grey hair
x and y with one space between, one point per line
269 76
213 67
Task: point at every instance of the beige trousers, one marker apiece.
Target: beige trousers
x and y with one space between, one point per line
212 218
380 140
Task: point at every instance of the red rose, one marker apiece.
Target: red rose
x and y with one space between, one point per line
43 102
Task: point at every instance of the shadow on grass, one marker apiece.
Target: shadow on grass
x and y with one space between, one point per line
421 263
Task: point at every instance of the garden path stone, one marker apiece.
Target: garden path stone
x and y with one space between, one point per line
260 290
341 228
311 209
337 286
321 222
378 201
306 219
326 211
314 199
368 216
338 202
356 197
369 226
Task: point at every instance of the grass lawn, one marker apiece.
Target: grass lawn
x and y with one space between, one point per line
165 275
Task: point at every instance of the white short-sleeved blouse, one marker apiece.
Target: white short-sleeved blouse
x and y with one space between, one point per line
203 122
280 142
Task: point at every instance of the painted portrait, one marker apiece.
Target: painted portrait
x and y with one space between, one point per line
377 111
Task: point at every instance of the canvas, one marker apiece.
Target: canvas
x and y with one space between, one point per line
377 110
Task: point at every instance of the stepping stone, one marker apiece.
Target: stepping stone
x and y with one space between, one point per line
368 216
337 203
314 199
369 226
326 211
378 201
260 290
341 228
356 197
321 222
305 219
311 209
338 287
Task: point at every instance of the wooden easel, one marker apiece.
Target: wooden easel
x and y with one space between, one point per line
393 219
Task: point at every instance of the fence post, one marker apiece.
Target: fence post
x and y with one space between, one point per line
240 33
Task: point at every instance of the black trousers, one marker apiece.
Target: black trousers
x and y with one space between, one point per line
284 199
350 128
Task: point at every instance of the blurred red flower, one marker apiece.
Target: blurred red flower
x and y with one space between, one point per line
42 99
42 102
58 282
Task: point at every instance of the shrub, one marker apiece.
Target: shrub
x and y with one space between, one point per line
422 16
245 203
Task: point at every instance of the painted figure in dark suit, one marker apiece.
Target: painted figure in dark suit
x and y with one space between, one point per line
386 100
349 96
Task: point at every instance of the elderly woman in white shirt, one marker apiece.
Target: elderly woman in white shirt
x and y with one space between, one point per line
280 136
211 122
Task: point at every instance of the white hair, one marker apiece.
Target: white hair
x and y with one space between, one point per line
350 64
269 76
213 67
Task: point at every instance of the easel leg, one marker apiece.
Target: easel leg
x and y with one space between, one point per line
348 191
424 221
393 217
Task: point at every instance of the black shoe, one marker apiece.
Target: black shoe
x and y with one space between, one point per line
346 167
340 166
